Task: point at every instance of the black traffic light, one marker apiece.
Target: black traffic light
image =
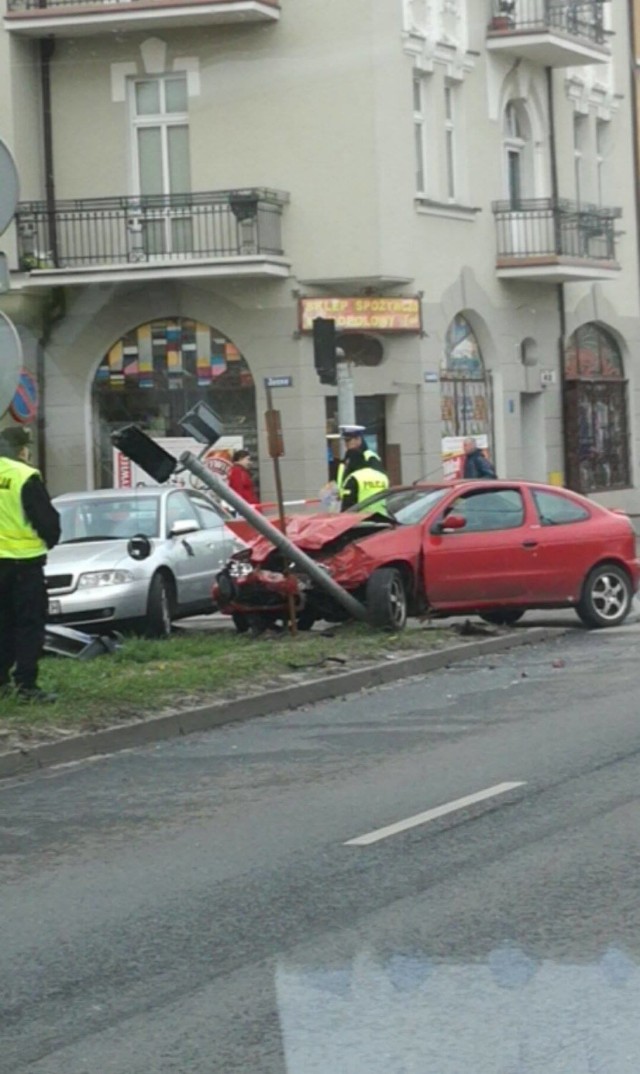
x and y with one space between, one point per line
324 349
141 449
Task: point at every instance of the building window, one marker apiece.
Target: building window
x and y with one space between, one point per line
580 150
518 153
161 157
603 144
465 397
596 429
450 140
419 134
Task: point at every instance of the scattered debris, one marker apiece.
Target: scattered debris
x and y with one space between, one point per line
558 664
468 629
318 663
64 641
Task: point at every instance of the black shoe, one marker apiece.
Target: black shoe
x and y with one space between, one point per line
33 695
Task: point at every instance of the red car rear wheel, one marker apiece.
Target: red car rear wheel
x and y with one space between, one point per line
606 597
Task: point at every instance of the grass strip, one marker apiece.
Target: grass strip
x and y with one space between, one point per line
190 668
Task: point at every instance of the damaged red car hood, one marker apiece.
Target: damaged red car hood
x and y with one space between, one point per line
310 533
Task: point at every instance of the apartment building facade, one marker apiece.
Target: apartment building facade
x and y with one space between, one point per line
452 180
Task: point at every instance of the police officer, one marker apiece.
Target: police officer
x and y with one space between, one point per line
29 526
355 442
362 481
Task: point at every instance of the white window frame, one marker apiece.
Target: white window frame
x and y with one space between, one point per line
603 128
420 133
579 125
450 141
162 119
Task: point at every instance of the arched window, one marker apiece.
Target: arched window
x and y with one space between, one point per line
157 372
596 430
464 389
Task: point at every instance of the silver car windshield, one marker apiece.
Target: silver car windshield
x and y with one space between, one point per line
108 519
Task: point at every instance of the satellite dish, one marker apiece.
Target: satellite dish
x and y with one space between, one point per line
9 187
10 362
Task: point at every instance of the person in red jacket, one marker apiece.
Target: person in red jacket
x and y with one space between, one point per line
240 479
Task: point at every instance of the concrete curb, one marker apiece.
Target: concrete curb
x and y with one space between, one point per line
142 733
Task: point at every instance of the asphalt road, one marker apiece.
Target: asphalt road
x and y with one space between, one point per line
210 904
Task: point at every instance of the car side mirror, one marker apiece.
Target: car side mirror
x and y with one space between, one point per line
182 526
139 547
449 524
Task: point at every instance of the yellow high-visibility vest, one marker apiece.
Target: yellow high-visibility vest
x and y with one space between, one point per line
18 539
368 454
370 482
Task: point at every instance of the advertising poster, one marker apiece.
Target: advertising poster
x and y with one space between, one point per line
126 475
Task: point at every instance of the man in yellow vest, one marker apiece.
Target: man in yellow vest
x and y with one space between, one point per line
362 481
29 526
354 442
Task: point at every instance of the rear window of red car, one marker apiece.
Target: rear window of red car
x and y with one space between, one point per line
554 509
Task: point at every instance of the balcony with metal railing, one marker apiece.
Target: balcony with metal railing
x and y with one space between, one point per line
60 18
555 241
552 33
225 234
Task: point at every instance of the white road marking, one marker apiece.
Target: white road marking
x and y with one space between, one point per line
432 814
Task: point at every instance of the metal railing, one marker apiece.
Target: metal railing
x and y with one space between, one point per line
576 18
154 229
540 227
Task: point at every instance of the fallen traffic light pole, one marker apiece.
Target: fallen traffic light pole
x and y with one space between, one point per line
277 538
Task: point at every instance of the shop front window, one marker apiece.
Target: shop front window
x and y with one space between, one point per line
156 373
596 427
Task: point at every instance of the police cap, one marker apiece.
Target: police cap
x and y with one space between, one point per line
351 430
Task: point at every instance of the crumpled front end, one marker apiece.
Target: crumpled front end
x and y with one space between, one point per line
254 589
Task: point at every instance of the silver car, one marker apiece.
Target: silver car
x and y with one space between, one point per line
136 558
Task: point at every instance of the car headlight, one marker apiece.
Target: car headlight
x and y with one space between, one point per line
240 568
96 579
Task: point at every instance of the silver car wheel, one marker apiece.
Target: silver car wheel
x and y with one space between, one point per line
609 597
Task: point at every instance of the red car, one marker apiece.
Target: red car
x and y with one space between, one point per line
495 548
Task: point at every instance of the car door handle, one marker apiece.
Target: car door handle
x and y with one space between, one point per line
529 544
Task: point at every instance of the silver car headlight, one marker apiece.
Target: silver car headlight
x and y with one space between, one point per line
97 579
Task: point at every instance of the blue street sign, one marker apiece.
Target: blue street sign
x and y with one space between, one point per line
278 382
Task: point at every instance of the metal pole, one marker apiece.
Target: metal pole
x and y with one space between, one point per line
278 539
291 606
346 394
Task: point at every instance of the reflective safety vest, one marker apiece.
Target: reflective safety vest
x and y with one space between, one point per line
370 482
18 539
340 475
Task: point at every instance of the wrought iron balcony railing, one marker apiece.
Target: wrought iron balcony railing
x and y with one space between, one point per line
581 19
536 228
155 229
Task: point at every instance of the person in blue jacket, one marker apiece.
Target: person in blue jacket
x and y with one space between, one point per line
476 463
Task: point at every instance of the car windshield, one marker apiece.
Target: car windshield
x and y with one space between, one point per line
406 506
108 519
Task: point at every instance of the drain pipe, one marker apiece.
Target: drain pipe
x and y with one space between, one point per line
277 538
560 296
47 47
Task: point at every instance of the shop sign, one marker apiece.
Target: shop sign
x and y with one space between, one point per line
366 314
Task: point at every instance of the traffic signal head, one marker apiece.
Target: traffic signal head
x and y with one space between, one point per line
324 349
